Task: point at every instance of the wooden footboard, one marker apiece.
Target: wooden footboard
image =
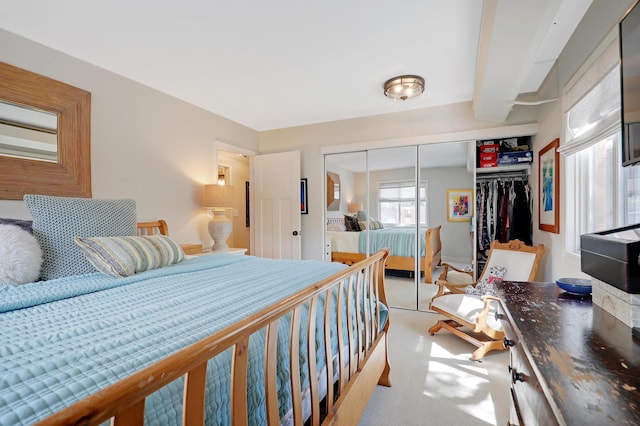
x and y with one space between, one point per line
427 264
346 399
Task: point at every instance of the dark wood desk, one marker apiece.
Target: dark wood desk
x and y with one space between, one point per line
571 363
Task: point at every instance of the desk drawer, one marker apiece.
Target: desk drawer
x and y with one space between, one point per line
531 402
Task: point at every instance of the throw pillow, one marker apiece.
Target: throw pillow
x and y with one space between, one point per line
124 256
20 256
58 220
361 216
24 224
487 285
351 223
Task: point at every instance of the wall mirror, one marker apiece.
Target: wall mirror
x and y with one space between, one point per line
38 168
224 175
333 191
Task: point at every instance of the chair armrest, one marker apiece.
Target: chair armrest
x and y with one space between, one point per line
445 287
447 267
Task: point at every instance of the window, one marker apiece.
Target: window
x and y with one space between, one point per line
397 203
600 193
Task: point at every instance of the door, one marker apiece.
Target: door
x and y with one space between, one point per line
275 181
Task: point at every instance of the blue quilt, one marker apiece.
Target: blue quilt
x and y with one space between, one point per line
64 339
400 242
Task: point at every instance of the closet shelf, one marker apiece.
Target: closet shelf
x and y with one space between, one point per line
500 169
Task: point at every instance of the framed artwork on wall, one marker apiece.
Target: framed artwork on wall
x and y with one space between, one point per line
459 205
304 208
549 188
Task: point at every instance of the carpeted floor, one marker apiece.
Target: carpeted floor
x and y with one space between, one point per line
434 382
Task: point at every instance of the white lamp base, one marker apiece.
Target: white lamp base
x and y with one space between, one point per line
219 229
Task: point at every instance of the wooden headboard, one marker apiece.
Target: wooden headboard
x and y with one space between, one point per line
331 220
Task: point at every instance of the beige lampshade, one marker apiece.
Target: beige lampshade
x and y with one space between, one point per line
217 196
354 207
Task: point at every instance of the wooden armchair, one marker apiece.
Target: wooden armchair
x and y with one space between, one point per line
476 312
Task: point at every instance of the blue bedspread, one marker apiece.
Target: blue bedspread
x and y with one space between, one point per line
64 339
400 242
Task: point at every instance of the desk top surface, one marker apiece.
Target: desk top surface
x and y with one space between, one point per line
587 361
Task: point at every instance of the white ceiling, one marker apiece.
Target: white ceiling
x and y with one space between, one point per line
282 63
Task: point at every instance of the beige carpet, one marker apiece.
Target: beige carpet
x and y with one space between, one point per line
434 382
401 293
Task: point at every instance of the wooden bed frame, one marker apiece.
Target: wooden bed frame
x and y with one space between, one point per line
346 399
428 263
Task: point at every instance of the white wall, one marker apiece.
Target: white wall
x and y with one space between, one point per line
145 145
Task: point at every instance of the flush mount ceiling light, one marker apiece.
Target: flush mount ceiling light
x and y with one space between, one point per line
404 87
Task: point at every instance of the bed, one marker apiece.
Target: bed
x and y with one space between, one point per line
350 247
214 339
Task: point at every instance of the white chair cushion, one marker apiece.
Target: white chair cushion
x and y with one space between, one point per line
518 264
466 307
456 277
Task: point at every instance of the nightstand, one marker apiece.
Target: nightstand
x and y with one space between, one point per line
230 250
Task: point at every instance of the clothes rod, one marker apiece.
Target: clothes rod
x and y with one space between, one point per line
503 176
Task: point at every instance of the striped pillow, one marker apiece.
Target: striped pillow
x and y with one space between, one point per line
124 256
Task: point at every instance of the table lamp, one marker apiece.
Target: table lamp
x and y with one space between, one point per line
217 199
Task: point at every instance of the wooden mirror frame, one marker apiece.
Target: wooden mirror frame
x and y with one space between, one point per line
333 202
71 175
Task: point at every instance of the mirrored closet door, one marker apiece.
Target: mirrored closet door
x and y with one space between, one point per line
447 170
399 198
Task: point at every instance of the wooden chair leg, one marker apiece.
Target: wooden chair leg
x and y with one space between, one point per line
443 324
494 345
435 328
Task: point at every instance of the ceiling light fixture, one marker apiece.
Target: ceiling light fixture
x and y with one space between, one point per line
404 87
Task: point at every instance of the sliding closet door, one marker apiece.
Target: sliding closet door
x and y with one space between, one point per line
345 195
393 219
447 171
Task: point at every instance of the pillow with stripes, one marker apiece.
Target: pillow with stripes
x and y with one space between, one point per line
124 256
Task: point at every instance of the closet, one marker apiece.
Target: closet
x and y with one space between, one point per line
504 200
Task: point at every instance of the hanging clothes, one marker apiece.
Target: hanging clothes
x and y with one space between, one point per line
503 209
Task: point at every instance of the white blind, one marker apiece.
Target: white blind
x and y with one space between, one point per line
594 103
400 191
595 116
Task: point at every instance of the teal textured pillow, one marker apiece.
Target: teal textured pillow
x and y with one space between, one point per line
58 220
124 256
361 215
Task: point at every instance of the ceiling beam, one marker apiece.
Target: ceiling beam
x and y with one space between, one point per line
511 35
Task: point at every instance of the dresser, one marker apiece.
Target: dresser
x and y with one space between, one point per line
570 361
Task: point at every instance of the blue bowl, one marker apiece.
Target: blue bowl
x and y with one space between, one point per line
575 285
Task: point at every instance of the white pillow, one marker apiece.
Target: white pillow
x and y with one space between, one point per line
340 227
20 256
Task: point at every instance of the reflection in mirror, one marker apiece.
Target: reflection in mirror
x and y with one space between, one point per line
444 166
333 191
28 133
224 175
393 204
342 245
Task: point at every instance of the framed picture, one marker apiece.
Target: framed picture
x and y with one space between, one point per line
549 187
303 196
459 205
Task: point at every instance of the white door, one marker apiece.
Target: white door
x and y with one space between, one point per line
275 183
